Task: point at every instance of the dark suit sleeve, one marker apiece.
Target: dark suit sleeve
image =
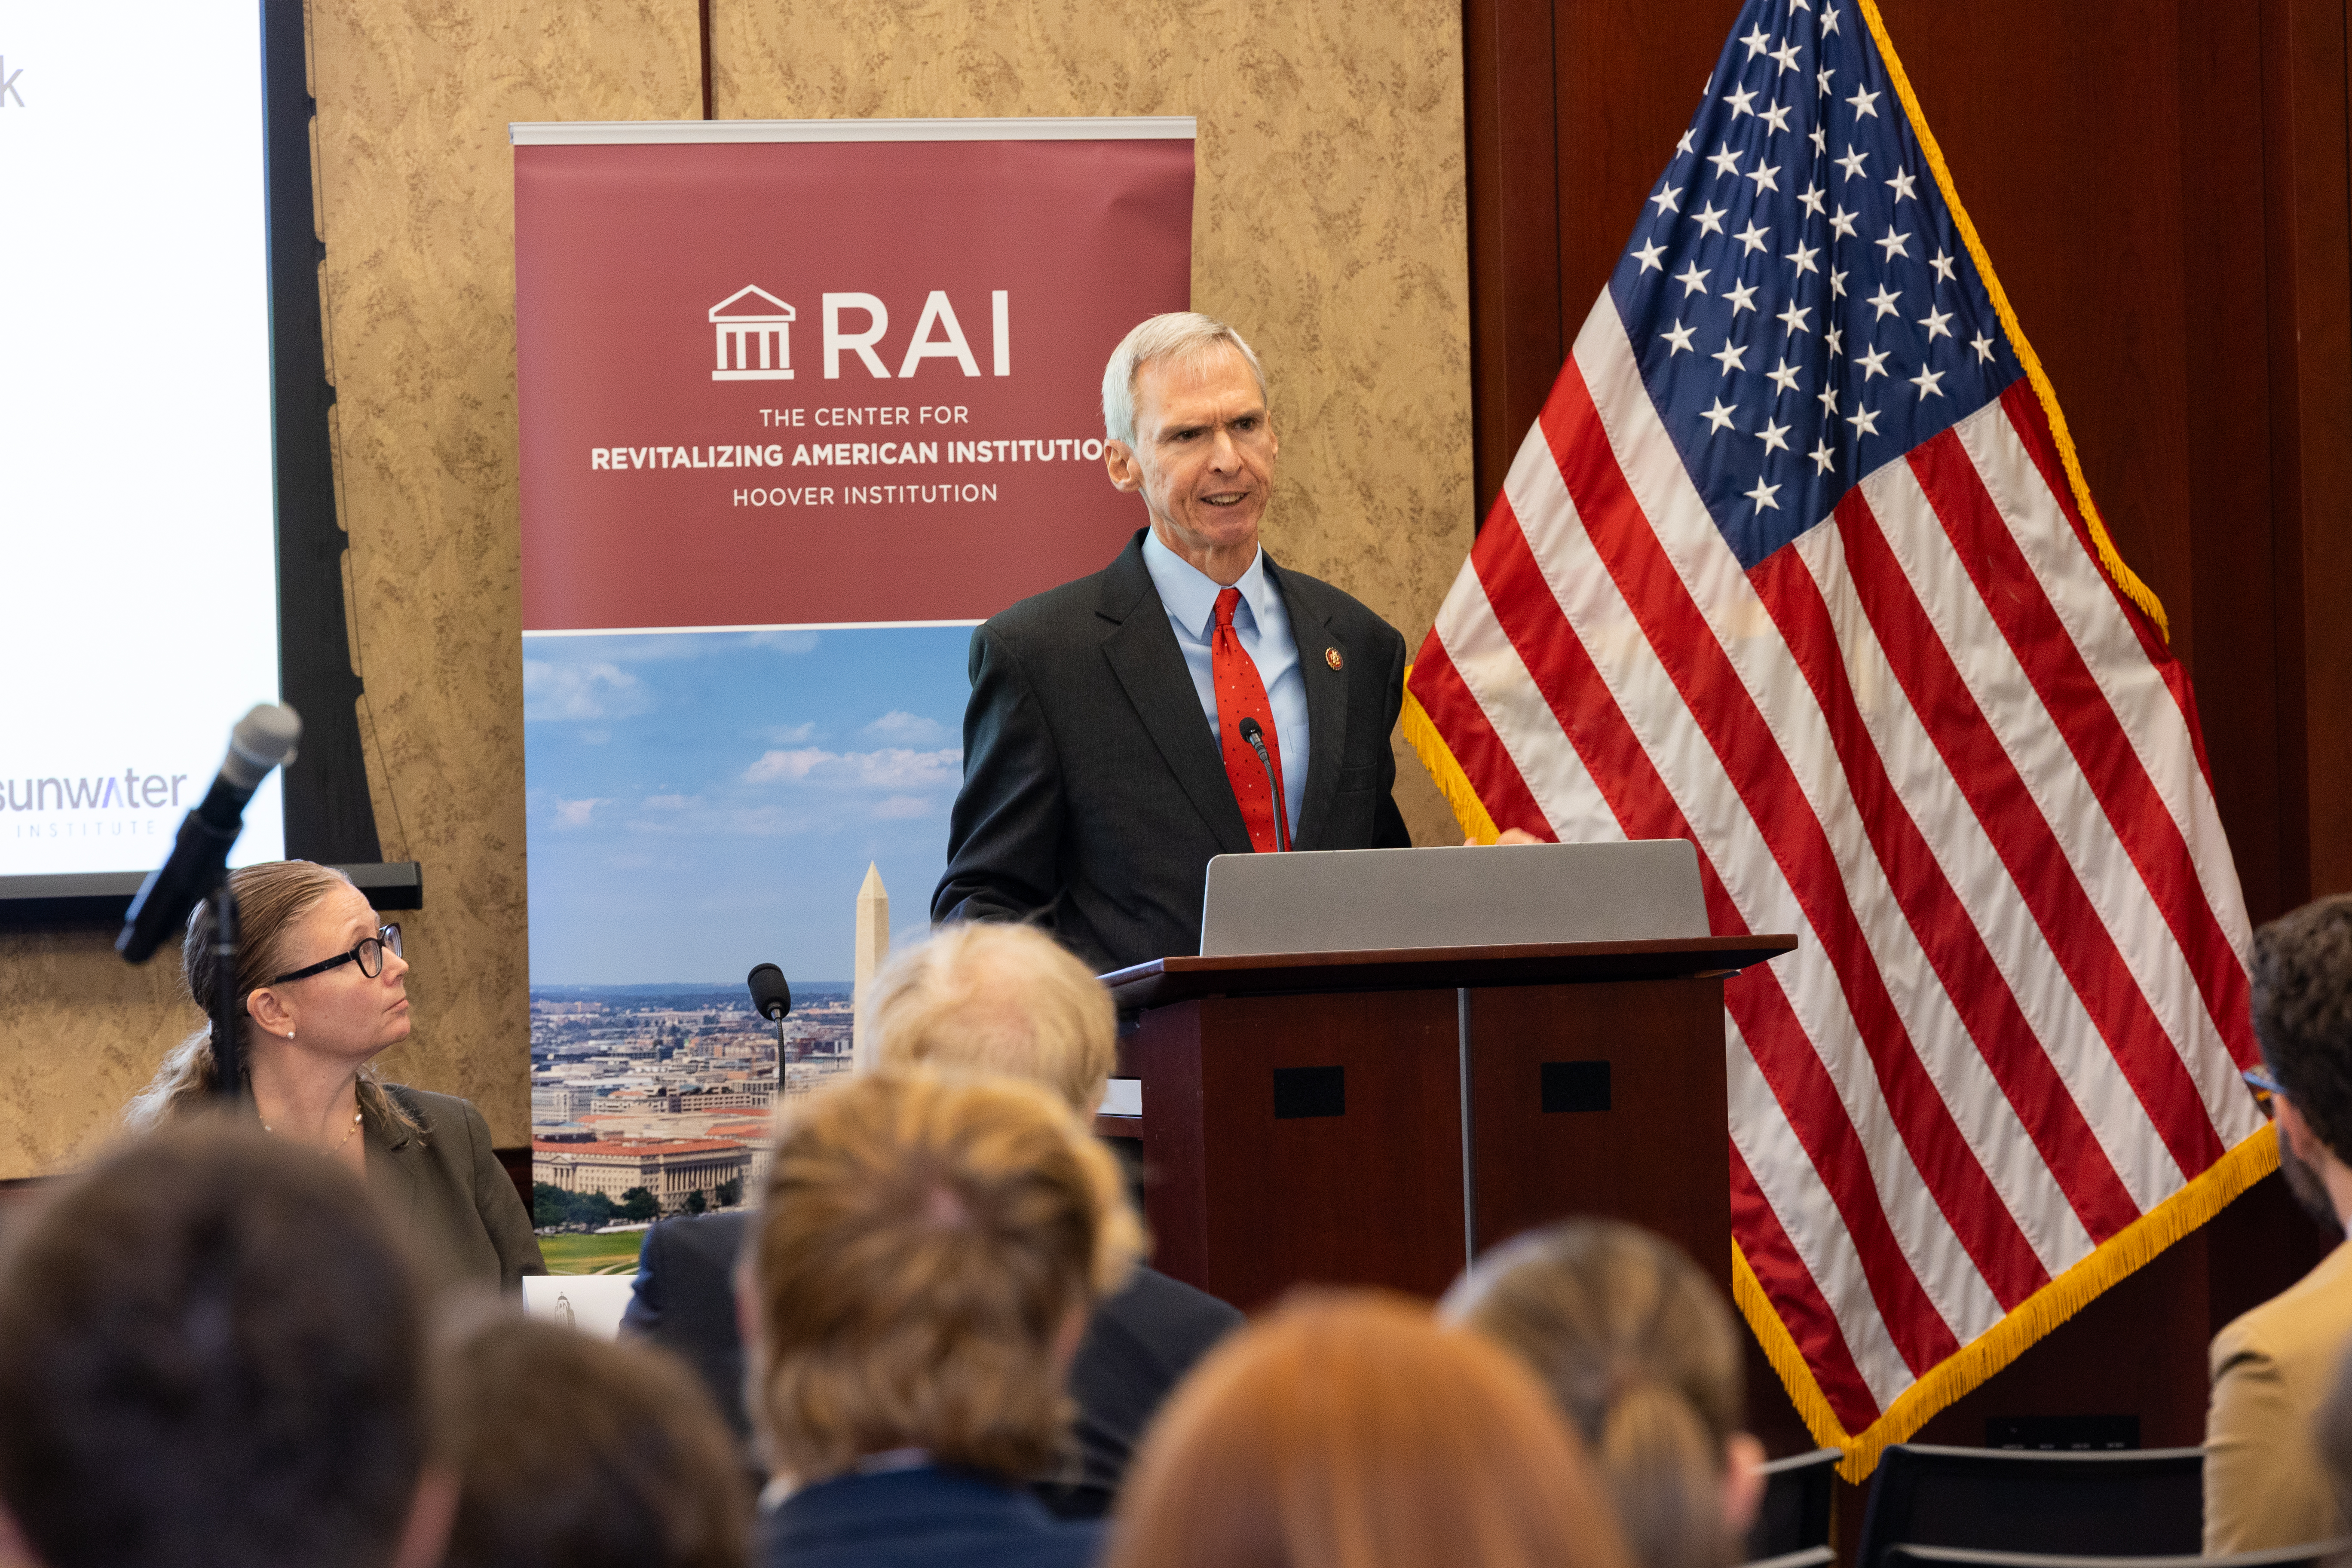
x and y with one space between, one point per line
642 1318
1004 836
502 1208
1389 831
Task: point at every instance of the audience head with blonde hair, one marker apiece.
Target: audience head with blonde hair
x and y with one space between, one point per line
1641 1351
1351 1431
928 1249
996 997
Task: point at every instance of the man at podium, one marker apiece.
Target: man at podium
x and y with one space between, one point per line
1190 700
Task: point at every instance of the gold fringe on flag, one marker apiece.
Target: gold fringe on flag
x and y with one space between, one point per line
1435 756
2110 559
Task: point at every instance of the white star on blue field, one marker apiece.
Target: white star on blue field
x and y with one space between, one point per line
701 802
1797 292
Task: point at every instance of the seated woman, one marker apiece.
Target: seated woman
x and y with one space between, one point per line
1351 1431
322 991
1640 1351
927 1254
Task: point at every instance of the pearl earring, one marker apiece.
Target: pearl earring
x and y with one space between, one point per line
289 1034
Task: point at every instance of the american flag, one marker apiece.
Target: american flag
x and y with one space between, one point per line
1798 564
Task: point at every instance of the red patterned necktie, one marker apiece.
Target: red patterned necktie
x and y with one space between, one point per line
1240 693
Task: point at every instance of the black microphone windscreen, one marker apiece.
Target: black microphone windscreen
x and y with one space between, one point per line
1251 730
770 994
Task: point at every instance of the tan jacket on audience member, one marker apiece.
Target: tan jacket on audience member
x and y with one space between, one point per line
2272 1369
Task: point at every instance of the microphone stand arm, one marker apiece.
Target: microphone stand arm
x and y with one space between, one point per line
1255 736
228 1059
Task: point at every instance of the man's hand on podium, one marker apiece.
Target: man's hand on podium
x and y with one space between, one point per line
1509 836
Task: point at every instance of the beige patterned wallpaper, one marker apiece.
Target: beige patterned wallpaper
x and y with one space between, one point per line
1329 226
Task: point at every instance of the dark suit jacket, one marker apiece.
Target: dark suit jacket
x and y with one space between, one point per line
448 1191
922 1518
1093 787
685 1301
1140 1345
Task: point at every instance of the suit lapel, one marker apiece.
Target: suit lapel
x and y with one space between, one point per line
1327 707
392 1168
1143 655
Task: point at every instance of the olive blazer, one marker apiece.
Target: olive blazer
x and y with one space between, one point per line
446 1190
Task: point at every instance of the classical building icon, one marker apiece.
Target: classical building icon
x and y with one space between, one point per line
752 316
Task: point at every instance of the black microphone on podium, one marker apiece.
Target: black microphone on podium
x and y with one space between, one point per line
262 739
1255 733
772 998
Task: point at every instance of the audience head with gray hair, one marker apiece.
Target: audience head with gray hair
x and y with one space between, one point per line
997 998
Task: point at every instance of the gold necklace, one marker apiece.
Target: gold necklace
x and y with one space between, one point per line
339 1143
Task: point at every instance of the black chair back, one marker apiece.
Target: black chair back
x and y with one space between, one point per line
1811 1557
2137 1502
1795 1513
2308 1556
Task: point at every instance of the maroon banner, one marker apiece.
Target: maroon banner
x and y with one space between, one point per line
786 382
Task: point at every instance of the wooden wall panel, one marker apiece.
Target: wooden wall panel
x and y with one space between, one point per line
2304 99
1517 336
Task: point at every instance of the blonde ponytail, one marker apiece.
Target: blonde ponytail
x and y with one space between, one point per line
1641 1351
1664 1472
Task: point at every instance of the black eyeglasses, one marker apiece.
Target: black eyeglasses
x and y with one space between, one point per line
368 955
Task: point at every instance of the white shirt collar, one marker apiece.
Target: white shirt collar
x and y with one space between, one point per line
1189 595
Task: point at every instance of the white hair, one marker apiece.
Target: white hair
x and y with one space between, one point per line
1185 336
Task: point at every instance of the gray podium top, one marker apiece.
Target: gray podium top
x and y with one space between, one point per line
1350 900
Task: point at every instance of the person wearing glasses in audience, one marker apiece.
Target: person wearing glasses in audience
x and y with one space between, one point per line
321 992
2266 1480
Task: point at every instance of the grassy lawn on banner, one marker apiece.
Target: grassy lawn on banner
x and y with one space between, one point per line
614 1254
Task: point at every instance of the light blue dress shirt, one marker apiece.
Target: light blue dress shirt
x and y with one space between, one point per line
1263 622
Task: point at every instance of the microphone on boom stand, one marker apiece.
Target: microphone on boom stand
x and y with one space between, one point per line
1254 733
774 998
198 869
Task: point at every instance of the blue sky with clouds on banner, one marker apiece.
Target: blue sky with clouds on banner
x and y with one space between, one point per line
701 801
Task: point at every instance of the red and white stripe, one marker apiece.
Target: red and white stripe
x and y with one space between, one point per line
1932 740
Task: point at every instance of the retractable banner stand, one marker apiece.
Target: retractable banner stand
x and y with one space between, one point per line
800 402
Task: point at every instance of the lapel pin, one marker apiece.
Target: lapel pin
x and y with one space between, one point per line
1332 656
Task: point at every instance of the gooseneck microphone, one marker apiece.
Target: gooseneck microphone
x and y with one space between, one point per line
770 994
262 739
772 998
1255 733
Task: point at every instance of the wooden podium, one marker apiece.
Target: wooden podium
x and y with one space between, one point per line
1379 1117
